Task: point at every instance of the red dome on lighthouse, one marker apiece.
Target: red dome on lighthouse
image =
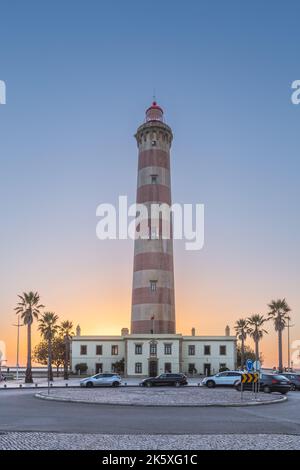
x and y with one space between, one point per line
154 113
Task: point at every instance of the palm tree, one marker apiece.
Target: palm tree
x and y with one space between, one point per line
241 328
279 310
29 308
255 330
66 330
48 328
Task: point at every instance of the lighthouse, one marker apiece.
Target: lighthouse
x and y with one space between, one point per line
153 299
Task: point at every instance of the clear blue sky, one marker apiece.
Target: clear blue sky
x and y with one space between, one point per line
79 76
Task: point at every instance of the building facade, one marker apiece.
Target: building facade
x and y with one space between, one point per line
152 354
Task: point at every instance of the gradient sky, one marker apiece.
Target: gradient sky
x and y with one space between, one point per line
79 76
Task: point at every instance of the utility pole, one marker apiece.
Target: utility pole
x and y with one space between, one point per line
18 346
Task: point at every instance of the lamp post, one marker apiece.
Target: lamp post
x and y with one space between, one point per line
18 346
289 348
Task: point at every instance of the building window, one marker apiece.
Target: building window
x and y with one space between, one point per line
138 368
138 349
83 350
192 369
99 350
114 350
206 350
153 285
168 368
192 350
222 350
168 349
153 179
153 349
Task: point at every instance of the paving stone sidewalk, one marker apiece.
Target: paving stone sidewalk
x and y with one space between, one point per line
163 396
55 441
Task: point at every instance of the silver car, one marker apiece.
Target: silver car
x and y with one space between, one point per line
226 379
101 380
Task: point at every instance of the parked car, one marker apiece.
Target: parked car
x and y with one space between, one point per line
165 379
101 380
294 379
269 383
226 379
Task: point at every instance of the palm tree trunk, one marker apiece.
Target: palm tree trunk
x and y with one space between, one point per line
66 360
242 353
280 365
256 350
28 375
50 371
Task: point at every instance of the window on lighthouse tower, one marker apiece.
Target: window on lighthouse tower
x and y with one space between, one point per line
153 285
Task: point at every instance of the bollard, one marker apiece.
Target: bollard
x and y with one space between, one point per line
198 384
67 385
51 385
125 384
20 385
5 386
36 385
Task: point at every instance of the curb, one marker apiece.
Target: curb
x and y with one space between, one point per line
41 396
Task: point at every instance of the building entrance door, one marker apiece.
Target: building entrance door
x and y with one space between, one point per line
207 369
152 368
99 369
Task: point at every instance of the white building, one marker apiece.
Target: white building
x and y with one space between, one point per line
150 355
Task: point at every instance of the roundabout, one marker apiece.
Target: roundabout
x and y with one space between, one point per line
162 396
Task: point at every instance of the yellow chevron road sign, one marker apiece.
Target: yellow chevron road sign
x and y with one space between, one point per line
250 378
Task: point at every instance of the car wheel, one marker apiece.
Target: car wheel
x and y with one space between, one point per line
283 393
293 387
89 385
116 384
149 384
177 384
267 389
210 384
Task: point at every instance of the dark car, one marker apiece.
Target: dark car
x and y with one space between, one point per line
165 379
294 379
269 383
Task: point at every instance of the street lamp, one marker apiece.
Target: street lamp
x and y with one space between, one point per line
289 349
18 345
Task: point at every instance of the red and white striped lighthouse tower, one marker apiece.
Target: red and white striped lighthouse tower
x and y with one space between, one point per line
153 300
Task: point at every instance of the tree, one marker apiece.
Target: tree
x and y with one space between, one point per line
119 366
81 368
29 308
66 331
279 310
248 353
241 328
48 328
41 353
255 330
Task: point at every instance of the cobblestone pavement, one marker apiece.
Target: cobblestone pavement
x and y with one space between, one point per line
55 441
163 396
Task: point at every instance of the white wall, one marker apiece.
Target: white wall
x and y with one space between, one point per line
91 358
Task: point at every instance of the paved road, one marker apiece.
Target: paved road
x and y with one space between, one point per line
21 411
